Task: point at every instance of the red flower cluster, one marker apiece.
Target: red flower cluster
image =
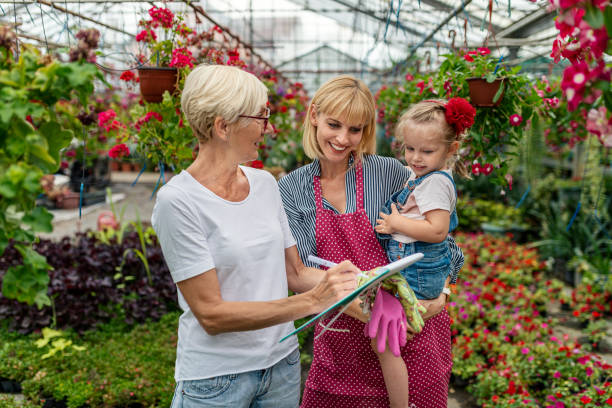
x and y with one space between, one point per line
128 76
459 114
486 169
117 151
161 16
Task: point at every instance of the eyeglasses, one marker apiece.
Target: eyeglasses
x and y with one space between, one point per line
265 118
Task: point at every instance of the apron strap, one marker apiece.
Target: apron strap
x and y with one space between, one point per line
359 182
316 185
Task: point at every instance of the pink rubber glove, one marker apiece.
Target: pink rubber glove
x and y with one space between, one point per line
387 323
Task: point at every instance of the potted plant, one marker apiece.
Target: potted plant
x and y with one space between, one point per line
496 130
159 65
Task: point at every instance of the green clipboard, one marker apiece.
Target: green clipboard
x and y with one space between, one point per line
383 273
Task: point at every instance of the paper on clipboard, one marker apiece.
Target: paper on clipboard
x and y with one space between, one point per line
383 273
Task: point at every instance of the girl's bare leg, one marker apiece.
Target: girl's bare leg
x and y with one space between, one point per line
395 375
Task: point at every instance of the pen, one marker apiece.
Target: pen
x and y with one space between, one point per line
328 264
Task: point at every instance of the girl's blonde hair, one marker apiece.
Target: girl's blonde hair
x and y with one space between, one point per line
347 97
213 91
433 111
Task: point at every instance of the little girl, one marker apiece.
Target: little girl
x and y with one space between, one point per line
420 216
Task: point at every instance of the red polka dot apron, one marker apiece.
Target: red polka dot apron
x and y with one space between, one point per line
345 372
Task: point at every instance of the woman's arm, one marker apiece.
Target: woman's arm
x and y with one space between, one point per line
434 228
203 295
302 278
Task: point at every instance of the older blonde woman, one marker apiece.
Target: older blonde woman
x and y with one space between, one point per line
332 205
227 243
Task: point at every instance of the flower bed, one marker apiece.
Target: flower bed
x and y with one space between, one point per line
503 343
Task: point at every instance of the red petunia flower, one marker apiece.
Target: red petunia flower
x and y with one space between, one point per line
459 114
476 169
258 164
127 76
487 169
120 150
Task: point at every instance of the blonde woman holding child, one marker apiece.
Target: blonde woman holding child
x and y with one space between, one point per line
419 217
332 205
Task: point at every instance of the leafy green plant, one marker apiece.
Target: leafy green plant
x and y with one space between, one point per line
31 138
57 343
123 366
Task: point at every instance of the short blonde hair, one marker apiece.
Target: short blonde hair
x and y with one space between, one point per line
347 97
213 91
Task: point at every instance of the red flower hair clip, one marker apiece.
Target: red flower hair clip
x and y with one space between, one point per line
459 114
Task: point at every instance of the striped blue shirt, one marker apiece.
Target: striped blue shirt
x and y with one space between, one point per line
382 176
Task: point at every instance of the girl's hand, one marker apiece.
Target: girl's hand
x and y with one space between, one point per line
386 223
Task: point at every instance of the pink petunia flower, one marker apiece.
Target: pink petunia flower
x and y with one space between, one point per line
516 119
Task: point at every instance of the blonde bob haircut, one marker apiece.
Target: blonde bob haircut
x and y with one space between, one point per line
213 91
347 98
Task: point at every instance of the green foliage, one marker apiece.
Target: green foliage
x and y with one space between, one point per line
30 141
122 366
473 213
57 343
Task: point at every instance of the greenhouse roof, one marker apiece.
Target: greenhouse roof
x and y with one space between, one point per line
367 38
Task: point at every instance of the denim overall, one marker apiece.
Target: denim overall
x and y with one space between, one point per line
426 277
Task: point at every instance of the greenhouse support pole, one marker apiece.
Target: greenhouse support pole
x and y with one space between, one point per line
442 24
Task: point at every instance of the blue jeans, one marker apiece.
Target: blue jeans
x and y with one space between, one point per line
277 386
427 276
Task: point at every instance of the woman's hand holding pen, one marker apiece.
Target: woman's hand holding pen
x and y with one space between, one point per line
338 281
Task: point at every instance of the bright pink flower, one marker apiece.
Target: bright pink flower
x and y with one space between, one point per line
510 180
182 57
105 117
484 51
421 86
557 374
525 350
568 22
161 16
120 150
596 40
409 77
146 36
516 119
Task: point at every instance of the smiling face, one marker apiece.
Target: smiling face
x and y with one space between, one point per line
425 149
336 137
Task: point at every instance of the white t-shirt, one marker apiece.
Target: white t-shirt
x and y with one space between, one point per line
245 242
436 192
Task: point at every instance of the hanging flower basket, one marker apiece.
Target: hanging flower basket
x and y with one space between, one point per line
483 93
154 81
